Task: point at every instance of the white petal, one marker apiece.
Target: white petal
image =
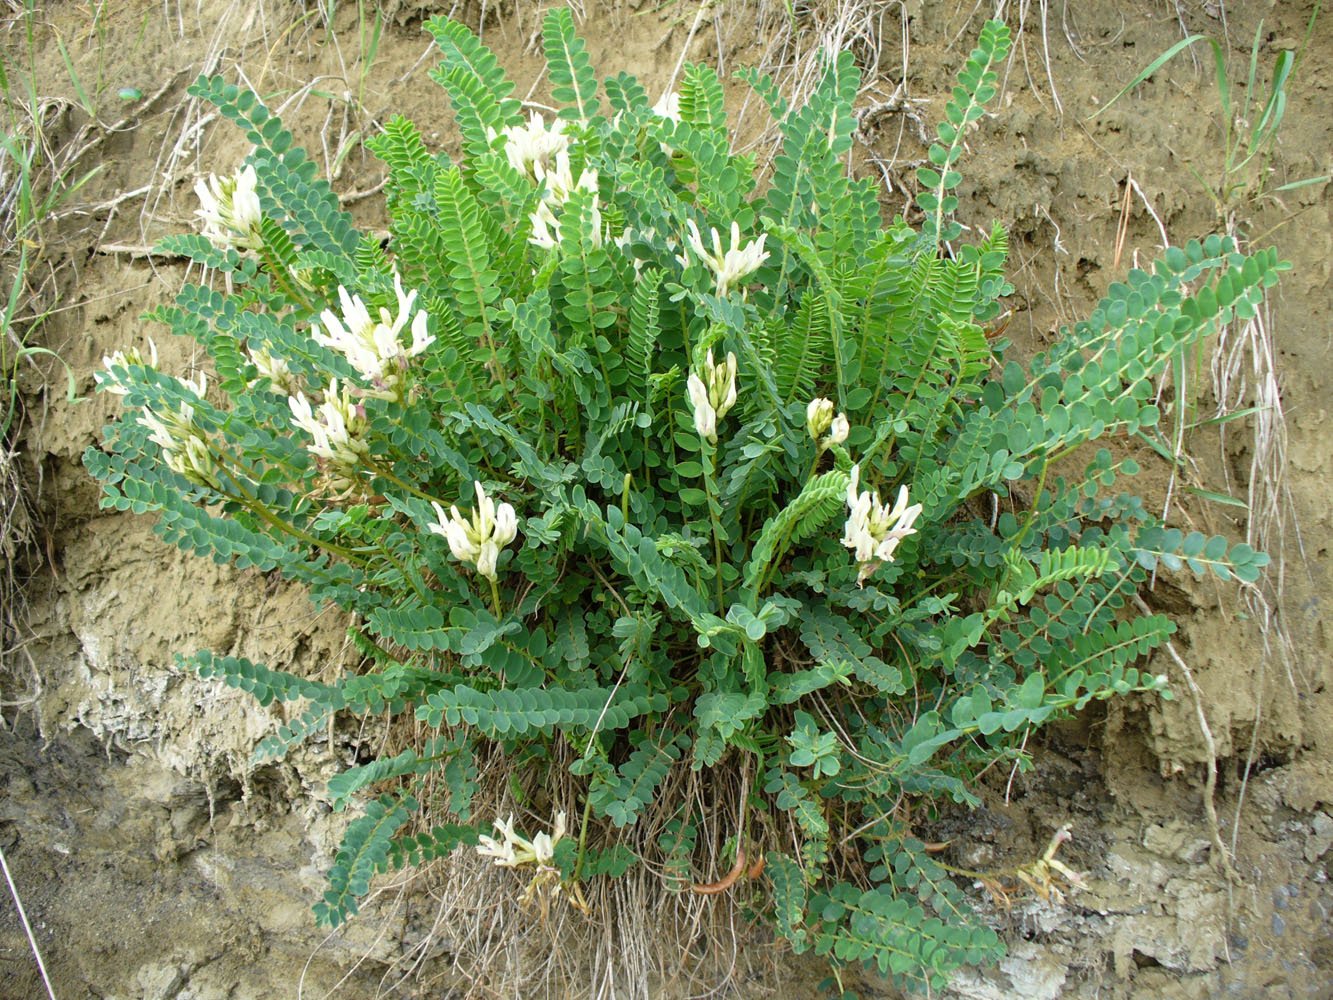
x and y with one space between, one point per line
543 849
487 557
421 339
506 525
695 241
818 413
460 539
705 418
729 400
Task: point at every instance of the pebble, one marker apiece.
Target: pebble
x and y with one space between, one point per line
1321 839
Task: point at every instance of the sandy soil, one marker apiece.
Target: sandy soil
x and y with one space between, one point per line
156 862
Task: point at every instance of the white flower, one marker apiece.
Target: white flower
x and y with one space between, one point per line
194 460
479 539
159 429
731 265
184 445
873 531
276 370
668 106
838 431
547 231
559 180
596 220
374 348
528 147
229 208
545 228
559 186
713 394
123 359
818 416
199 386
513 850
336 426
705 417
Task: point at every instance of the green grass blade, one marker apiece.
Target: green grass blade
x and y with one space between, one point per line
1153 67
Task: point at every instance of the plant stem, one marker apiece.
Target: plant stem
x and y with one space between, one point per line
402 571
710 490
495 597
252 504
400 483
278 269
1032 514
583 837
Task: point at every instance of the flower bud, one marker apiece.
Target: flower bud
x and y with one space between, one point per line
818 416
713 394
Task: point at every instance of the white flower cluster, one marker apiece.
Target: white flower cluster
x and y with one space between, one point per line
732 265
560 184
337 425
229 208
184 445
542 155
275 369
477 541
873 530
123 359
713 394
819 419
373 347
514 850
531 148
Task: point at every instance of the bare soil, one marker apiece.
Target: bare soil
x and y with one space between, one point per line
154 861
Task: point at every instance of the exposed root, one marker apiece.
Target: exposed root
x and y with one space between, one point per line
727 880
797 39
1221 856
659 929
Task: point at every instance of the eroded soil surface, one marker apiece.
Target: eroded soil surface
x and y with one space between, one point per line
155 862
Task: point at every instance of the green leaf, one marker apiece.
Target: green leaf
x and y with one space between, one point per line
573 81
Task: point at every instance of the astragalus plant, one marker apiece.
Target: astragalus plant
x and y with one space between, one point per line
639 469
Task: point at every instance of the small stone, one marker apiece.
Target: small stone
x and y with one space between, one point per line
1321 839
1177 841
160 981
1279 926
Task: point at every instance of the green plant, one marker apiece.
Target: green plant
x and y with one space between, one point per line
1249 126
34 181
356 120
667 403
